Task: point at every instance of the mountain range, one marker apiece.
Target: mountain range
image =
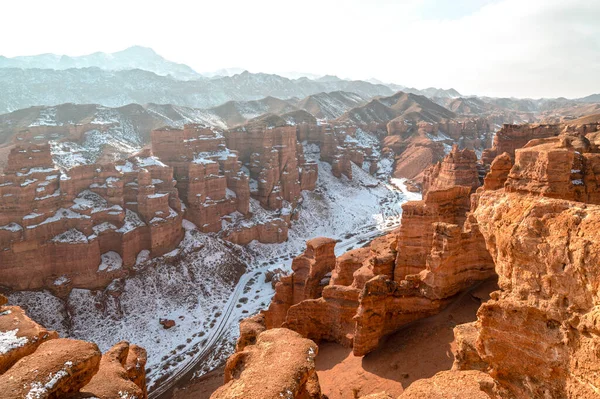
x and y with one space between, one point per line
136 57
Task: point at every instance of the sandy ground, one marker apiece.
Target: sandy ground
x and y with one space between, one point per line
419 350
202 387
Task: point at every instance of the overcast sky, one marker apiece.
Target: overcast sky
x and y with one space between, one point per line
521 48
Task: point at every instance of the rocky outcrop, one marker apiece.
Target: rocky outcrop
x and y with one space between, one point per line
512 137
280 364
418 218
218 193
121 374
455 384
306 281
19 335
498 174
538 335
458 168
564 167
59 367
85 226
35 363
373 291
250 329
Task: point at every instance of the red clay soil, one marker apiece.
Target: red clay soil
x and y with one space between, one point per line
419 350
200 388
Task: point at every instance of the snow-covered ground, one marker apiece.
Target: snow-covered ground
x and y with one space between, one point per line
196 287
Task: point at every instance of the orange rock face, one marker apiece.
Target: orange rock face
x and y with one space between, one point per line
84 227
455 384
35 363
59 367
459 168
213 186
512 137
279 364
373 291
564 167
121 373
539 334
20 335
309 269
498 174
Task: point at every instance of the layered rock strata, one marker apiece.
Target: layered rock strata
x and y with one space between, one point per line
538 335
458 168
219 175
373 291
85 226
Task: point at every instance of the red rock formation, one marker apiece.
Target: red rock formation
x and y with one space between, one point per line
21 335
512 137
208 171
309 269
409 274
564 167
59 367
459 168
455 384
498 174
538 336
250 329
83 227
416 232
121 374
203 168
280 364
35 363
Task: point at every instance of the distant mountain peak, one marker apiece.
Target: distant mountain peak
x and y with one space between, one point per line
134 57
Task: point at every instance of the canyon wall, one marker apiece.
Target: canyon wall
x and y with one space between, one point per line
411 273
538 336
85 226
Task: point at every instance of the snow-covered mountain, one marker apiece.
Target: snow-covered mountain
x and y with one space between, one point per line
23 88
136 57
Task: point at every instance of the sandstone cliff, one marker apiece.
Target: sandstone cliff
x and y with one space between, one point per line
85 226
413 272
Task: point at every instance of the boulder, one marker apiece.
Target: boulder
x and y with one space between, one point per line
58 368
280 364
121 374
19 335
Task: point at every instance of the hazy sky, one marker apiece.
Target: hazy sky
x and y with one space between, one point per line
522 48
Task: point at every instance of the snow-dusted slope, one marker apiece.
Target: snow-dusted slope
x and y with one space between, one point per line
110 132
23 88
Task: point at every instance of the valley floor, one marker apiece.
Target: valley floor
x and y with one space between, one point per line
207 285
419 350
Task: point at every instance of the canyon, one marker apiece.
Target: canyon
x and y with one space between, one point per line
212 221
532 222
